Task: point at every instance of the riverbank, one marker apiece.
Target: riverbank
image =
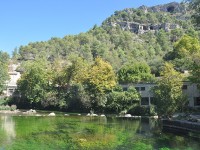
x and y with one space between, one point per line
183 127
9 111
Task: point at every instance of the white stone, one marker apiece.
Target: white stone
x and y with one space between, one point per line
127 115
88 114
52 114
93 115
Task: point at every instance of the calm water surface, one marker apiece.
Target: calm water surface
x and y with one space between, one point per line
87 133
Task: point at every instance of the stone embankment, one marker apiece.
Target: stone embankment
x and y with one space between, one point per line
182 126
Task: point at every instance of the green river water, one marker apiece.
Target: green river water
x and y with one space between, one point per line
87 133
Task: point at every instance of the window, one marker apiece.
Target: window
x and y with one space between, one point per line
197 101
184 87
125 88
10 91
152 100
144 101
142 88
137 88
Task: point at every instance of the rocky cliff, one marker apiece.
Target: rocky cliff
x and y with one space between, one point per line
173 7
143 19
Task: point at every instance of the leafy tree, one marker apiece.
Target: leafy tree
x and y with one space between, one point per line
119 100
101 79
176 34
4 58
168 92
34 82
77 71
195 5
156 66
58 73
195 67
184 50
164 40
68 72
101 76
195 70
186 46
134 73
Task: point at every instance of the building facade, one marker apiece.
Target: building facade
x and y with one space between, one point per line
147 97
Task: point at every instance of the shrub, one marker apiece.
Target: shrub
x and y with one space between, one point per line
139 110
13 107
7 107
143 110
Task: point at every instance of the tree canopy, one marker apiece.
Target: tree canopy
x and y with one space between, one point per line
134 73
168 92
4 60
186 46
195 6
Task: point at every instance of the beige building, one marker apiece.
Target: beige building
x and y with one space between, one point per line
11 85
147 98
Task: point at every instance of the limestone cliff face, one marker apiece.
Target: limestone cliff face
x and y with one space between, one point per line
173 9
143 28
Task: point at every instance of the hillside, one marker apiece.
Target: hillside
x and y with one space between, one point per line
144 19
144 34
86 72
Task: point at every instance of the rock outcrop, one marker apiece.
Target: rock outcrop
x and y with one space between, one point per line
174 8
143 28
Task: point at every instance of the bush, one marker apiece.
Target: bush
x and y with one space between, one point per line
143 110
152 110
2 101
13 107
139 110
6 107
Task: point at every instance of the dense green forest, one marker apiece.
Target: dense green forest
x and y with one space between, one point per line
82 72
114 44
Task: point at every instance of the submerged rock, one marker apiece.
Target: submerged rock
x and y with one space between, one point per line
52 114
31 111
127 115
93 115
89 114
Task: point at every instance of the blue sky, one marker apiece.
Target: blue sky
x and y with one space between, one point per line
25 21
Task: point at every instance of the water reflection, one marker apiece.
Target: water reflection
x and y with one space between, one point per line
100 120
147 126
63 132
8 129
